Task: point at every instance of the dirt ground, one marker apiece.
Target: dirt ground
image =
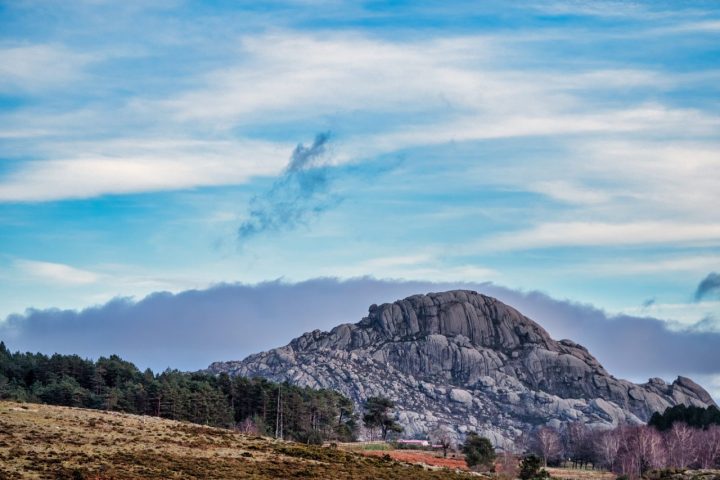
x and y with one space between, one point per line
420 456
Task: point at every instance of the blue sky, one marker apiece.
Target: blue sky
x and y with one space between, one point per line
565 147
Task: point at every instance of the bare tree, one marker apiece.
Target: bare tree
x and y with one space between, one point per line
707 447
633 450
248 427
279 420
508 466
680 445
442 436
641 448
546 444
652 449
578 444
607 446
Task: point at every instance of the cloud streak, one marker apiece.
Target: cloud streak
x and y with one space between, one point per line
58 273
710 285
590 234
303 191
131 165
464 83
40 67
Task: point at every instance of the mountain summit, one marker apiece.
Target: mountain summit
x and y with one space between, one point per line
469 361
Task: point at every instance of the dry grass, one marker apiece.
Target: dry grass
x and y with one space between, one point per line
47 442
580 474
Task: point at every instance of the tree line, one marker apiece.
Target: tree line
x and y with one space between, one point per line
693 416
254 405
681 437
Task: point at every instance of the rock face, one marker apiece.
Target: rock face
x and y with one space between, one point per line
468 361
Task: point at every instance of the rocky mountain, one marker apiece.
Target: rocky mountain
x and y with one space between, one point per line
469 361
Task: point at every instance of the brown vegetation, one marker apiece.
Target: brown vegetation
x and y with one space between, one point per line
48 442
421 457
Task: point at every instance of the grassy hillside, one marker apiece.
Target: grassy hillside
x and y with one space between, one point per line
42 441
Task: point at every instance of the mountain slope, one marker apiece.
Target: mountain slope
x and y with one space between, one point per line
467 360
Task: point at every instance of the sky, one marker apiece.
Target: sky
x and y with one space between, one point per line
563 155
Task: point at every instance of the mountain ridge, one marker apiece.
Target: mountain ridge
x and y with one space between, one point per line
467 360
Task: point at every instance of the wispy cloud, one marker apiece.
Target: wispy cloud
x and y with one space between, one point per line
650 265
462 82
710 285
678 316
302 192
37 67
589 234
130 165
57 273
701 26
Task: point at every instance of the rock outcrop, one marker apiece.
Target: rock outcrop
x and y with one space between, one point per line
469 361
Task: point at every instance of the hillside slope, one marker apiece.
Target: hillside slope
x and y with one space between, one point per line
48 442
469 361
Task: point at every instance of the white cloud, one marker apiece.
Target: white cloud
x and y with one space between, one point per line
566 191
595 9
421 266
647 119
676 178
57 273
702 26
619 180
128 166
33 67
401 260
68 286
679 316
699 264
586 234
458 82
288 74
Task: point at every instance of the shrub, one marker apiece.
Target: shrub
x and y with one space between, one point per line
530 469
479 451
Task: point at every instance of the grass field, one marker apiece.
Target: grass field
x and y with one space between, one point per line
47 442
365 446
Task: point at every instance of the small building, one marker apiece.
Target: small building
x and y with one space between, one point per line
417 443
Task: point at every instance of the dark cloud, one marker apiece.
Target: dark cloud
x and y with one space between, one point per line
628 346
301 192
189 330
710 285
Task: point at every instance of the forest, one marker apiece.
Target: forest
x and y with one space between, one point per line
111 383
